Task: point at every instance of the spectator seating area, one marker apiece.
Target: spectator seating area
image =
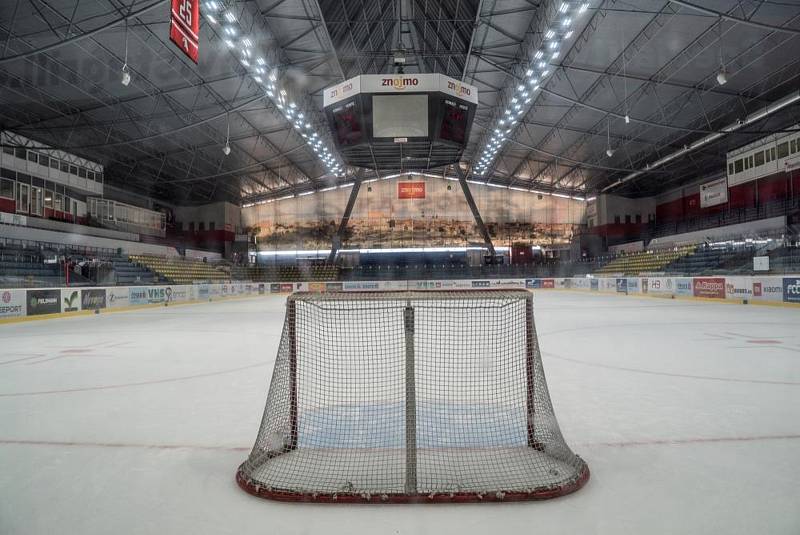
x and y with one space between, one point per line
21 266
182 270
128 273
645 261
785 260
285 273
712 261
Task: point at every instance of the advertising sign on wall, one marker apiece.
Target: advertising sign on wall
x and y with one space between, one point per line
43 302
709 287
714 192
137 296
767 289
791 290
156 295
117 297
93 299
738 288
411 190
684 287
12 303
622 286
70 300
633 285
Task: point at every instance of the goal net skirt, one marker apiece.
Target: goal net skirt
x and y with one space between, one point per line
410 397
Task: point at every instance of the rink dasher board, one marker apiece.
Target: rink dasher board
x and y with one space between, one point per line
16 303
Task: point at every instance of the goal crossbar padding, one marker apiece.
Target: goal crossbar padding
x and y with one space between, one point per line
407 397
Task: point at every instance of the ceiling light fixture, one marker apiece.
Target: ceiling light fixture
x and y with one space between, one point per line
126 73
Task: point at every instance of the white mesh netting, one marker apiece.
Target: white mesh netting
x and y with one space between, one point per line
410 396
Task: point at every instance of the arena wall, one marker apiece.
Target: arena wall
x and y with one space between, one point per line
41 303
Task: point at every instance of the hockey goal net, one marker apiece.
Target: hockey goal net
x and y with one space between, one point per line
410 396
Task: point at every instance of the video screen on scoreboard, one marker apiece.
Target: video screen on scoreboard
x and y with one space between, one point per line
454 122
398 116
347 123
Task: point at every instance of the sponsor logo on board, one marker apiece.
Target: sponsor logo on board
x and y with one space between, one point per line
43 302
548 283
594 285
622 286
532 283
459 89
791 290
400 83
708 287
71 302
333 287
93 299
137 296
481 284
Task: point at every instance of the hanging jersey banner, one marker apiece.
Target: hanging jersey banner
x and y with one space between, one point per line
184 27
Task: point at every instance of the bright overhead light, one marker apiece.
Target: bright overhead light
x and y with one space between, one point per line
230 16
609 152
211 19
212 5
229 43
550 34
627 119
126 75
226 150
722 76
538 54
563 8
261 61
568 34
583 7
566 22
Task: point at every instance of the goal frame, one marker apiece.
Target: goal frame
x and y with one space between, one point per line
410 496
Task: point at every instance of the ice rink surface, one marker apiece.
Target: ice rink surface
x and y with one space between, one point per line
687 413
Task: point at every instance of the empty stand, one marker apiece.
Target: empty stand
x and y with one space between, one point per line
182 270
646 261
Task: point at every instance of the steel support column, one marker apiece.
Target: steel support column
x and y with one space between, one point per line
348 209
462 179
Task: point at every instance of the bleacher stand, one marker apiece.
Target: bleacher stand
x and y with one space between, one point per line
178 270
645 261
712 260
285 273
785 260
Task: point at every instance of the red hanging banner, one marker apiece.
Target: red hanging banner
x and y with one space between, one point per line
411 190
184 27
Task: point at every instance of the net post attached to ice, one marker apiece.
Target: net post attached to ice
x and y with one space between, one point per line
410 396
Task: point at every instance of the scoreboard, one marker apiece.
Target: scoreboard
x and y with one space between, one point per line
403 121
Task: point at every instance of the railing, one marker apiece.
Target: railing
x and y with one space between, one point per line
728 217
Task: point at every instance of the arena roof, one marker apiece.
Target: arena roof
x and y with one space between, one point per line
656 61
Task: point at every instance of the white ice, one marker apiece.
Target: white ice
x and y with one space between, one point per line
687 413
